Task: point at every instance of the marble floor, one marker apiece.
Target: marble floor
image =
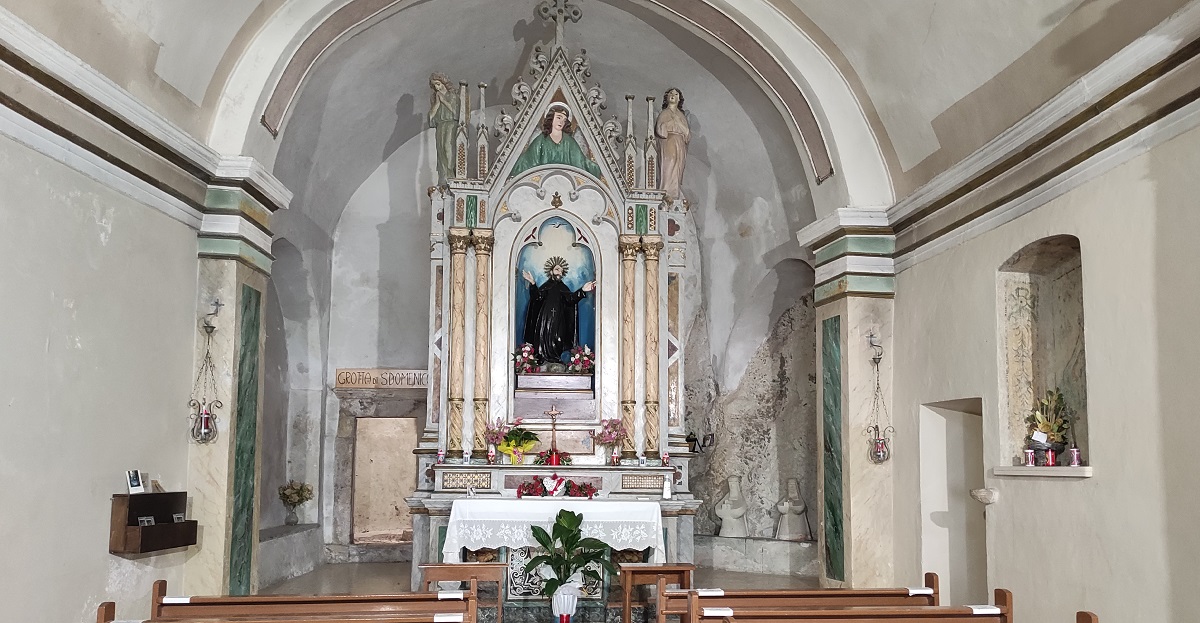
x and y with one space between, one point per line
384 578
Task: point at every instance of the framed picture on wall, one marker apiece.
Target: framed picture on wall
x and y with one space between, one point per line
134 479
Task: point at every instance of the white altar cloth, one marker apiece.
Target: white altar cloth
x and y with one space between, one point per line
478 523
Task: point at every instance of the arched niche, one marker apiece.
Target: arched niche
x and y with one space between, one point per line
1041 340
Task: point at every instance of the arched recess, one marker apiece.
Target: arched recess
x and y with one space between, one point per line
827 121
295 396
1041 341
763 415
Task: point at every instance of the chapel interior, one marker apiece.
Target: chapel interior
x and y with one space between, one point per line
802 293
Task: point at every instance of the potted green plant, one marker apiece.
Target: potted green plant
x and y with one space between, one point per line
568 554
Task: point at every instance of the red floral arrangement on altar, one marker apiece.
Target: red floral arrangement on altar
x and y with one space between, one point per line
543 457
525 359
555 485
583 360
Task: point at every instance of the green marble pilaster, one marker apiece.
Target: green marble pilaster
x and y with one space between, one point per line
472 210
242 541
642 219
831 410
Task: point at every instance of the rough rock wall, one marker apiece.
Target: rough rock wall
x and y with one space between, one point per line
765 428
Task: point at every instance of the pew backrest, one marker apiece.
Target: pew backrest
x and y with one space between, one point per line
459 606
767 612
676 602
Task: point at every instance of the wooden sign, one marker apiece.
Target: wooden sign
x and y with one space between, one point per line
381 378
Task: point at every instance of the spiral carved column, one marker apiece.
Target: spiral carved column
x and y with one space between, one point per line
482 240
629 247
460 239
651 247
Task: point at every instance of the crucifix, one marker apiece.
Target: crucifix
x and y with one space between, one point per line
553 459
559 11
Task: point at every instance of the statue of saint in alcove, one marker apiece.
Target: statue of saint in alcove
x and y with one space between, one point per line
555 306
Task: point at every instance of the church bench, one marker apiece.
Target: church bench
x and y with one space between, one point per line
1086 617
431 574
638 573
442 606
675 602
107 612
1001 612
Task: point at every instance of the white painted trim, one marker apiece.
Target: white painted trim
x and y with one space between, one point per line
245 167
1148 50
45 142
1161 131
236 225
854 264
50 57
842 217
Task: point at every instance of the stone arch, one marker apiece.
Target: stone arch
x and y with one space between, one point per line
842 155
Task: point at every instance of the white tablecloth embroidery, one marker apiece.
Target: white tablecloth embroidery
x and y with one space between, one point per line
475 524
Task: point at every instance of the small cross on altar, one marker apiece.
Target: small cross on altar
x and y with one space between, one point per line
553 459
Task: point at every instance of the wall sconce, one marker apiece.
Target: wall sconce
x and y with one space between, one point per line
204 402
879 442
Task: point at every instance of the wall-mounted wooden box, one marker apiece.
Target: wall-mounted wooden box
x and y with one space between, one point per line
126 536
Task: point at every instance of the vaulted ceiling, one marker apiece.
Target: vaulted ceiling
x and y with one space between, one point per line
935 79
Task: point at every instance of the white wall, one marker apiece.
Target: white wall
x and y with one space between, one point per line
96 348
1122 543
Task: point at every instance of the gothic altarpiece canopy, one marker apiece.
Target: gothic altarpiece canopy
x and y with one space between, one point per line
560 238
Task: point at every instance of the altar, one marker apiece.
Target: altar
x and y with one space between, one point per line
491 523
557 265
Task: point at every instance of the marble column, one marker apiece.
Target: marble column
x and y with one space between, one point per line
854 301
629 247
652 246
483 240
460 239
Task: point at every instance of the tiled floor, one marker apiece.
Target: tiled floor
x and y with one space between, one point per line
384 578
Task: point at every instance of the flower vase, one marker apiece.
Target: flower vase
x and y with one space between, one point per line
565 600
291 519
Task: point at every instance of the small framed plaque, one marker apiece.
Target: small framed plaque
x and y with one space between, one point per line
134 479
178 517
147 520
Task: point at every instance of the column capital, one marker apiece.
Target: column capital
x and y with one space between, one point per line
459 239
652 247
629 246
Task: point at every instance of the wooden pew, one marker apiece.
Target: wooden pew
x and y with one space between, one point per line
1086 617
675 602
1001 612
443 606
639 573
107 612
432 573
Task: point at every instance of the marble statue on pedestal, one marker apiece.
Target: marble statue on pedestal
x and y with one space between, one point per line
443 117
732 510
793 515
674 133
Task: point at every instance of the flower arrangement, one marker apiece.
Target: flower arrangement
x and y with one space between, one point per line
554 485
295 493
494 432
525 359
583 360
612 433
517 441
543 458
1052 417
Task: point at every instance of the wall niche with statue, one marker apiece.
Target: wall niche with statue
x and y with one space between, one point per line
1043 394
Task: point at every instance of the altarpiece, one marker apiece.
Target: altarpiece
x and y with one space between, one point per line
560 238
